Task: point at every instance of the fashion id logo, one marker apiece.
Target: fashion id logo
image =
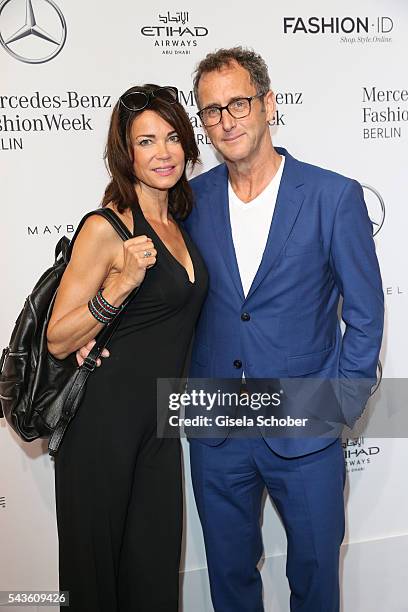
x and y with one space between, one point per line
35 38
352 29
2 502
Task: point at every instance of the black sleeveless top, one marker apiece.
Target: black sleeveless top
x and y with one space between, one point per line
155 331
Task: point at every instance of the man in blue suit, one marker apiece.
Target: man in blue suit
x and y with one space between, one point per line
282 240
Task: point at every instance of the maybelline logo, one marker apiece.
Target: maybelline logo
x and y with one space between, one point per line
50 230
357 454
2 502
35 38
174 32
375 206
337 25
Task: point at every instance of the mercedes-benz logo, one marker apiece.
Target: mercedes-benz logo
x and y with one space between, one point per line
29 42
376 207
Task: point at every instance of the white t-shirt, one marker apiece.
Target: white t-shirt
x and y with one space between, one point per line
250 224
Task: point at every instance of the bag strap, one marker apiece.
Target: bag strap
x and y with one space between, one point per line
111 217
107 332
64 246
115 221
102 340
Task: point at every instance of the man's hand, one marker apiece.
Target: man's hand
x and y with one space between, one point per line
84 351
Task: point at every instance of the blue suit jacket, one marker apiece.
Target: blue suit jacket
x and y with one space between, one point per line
319 247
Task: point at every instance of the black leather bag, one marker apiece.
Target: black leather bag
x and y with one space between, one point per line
39 395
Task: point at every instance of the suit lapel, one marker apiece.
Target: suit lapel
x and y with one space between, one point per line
218 196
288 204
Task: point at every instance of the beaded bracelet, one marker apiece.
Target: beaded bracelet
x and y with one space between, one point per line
101 309
114 310
97 314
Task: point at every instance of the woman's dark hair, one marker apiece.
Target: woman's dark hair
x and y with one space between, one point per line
119 153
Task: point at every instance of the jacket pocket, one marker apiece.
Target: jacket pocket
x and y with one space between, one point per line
299 365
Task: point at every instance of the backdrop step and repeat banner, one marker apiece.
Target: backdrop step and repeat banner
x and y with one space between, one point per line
339 73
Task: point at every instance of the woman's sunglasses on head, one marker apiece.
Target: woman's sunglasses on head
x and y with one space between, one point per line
138 100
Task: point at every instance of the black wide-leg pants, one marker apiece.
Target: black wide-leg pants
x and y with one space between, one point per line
119 510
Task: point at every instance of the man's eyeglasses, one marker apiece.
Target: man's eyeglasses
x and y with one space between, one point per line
238 108
138 100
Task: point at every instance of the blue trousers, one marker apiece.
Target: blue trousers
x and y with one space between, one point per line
229 481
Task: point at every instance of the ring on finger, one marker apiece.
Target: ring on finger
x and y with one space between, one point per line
147 253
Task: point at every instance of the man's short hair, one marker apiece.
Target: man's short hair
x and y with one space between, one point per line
247 58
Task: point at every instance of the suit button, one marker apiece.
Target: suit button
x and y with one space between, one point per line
245 316
237 364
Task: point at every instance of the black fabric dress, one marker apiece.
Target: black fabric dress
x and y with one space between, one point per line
118 486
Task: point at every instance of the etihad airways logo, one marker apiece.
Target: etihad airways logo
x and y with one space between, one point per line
357 454
174 33
37 38
174 25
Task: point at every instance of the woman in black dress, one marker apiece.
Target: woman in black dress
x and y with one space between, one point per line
118 486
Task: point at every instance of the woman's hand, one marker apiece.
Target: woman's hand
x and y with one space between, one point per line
139 254
84 351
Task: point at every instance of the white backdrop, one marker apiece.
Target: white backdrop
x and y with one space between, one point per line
342 87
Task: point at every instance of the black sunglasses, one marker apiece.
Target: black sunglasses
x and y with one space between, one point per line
138 100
